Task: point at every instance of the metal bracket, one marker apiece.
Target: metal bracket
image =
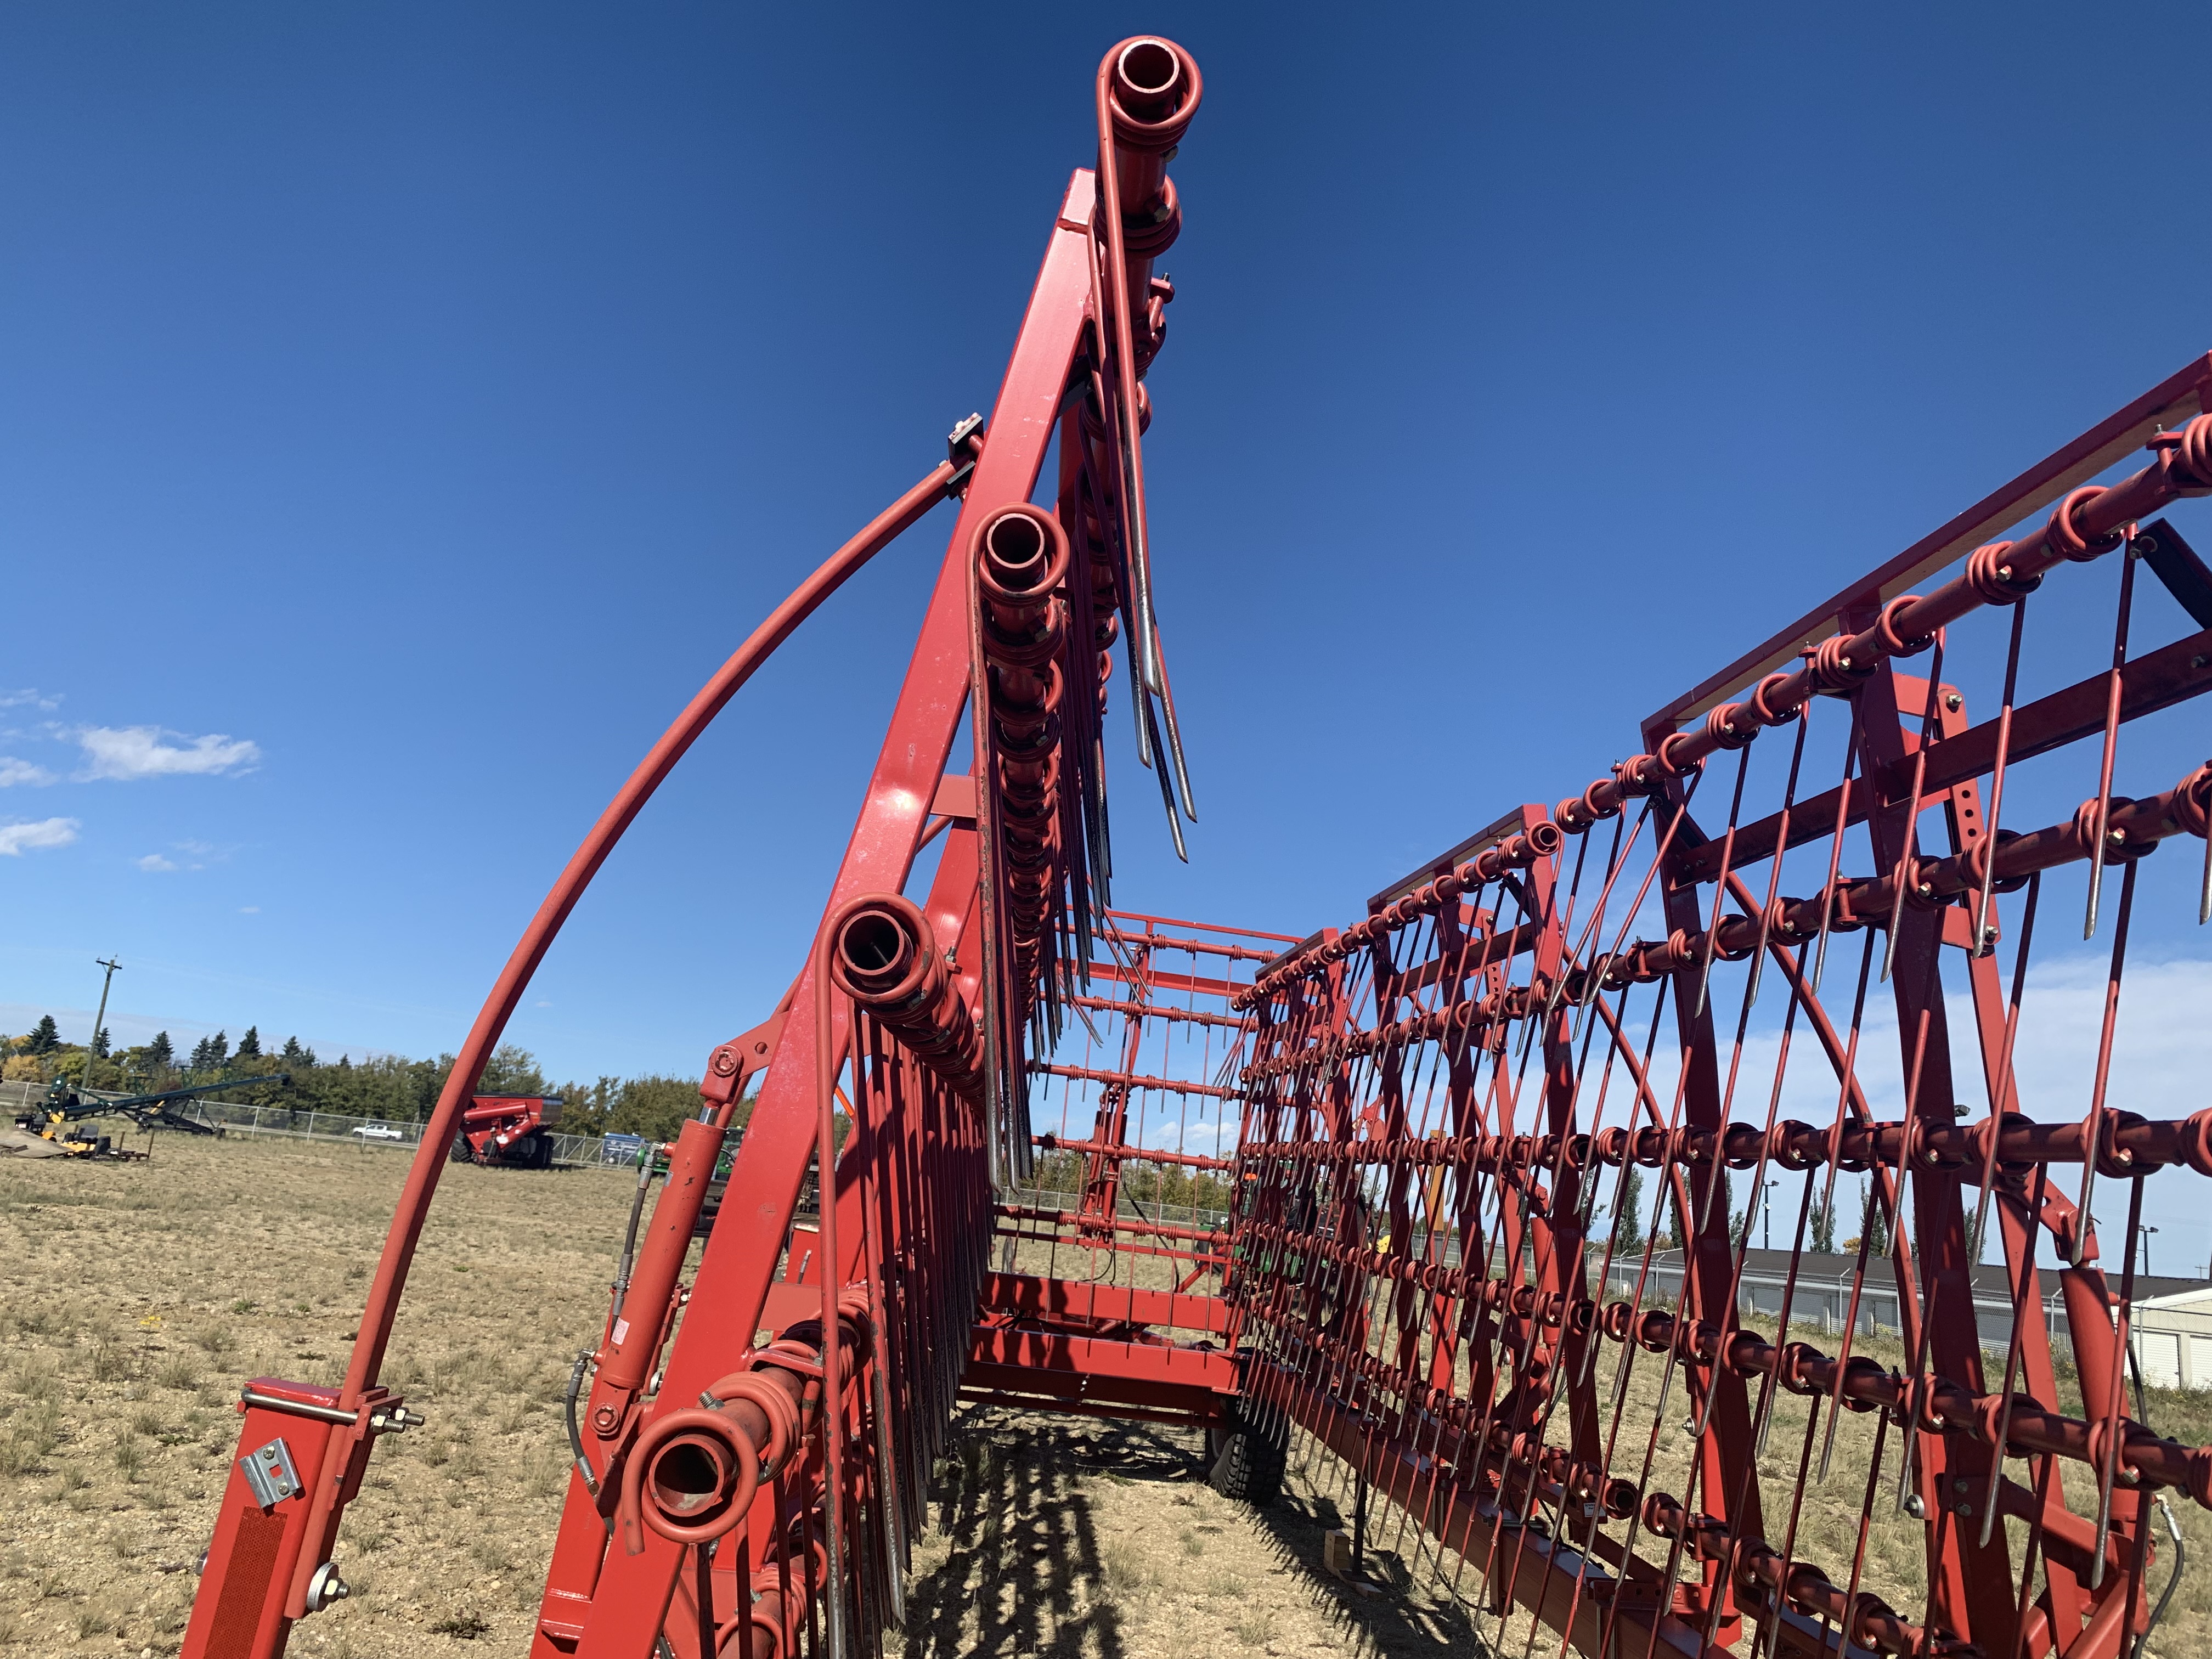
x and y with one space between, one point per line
962 457
271 1475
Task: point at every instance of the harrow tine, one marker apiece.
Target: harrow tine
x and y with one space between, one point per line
2095 1123
2104 814
1902 877
2114 1421
1836 851
1720 883
1774 879
1984 934
2023 1297
1866 1225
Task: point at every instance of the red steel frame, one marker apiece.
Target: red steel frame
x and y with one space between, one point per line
1401 1130
1453 1363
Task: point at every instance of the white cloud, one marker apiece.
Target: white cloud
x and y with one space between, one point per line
28 698
154 862
128 753
46 832
249 909
14 771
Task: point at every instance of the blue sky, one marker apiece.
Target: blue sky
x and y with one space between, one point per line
405 410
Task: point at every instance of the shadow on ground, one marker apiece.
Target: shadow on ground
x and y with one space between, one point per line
1067 1539
1021 1570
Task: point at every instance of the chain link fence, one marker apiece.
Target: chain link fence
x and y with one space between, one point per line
237 1118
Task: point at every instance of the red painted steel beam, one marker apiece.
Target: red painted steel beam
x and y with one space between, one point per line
2165 406
2156 681
1150 941
1137 1154
1075 1217
1042 1351
1156 981
1197 1400
630 1598
312 1529
1131 1080
1149 920
1157 1011
1030 1296
1191 1417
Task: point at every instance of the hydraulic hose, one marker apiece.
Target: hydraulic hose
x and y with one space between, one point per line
575 1435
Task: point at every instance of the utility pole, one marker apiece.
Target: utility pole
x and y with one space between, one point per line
91 1046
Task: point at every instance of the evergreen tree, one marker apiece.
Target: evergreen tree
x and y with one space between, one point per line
296 1056
1824 1225
1872 1226
249 1046
99 1043
218 1050
159 1053
46 1036
510 1071
1628 1208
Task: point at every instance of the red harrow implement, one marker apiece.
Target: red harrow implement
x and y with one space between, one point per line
1368 1199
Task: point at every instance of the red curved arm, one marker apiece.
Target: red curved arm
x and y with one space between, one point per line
483 1037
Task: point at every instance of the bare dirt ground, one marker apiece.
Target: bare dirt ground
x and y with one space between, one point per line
134 1298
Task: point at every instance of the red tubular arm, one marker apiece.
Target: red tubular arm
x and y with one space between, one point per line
537 938
491 1022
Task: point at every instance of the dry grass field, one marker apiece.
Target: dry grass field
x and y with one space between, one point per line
133 1300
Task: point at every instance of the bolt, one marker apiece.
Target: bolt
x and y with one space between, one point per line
1953 701
2199 660
1915 1507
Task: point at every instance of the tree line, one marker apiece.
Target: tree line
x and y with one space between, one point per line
1145 1185
388 1087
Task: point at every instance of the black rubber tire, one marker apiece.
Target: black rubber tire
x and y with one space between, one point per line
1248 1463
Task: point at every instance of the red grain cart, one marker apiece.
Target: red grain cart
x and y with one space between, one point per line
514 1132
